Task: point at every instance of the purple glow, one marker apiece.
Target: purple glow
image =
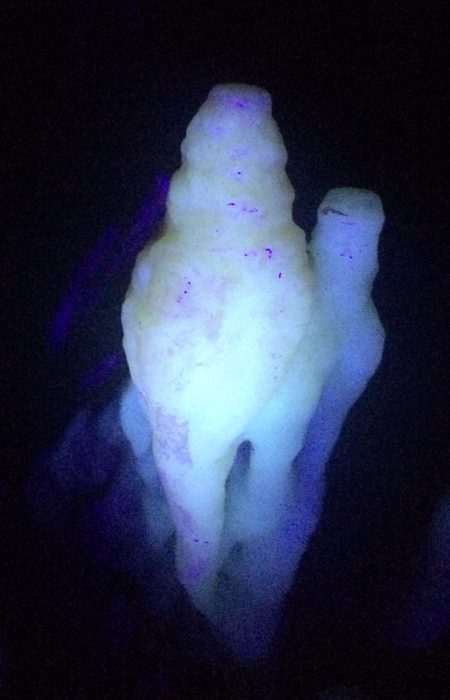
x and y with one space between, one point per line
145 223
103 370
79 293
113 253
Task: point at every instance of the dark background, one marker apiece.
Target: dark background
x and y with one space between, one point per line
96 98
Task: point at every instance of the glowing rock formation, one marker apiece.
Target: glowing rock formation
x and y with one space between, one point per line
234 332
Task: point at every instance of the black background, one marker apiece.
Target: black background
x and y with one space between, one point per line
96 98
